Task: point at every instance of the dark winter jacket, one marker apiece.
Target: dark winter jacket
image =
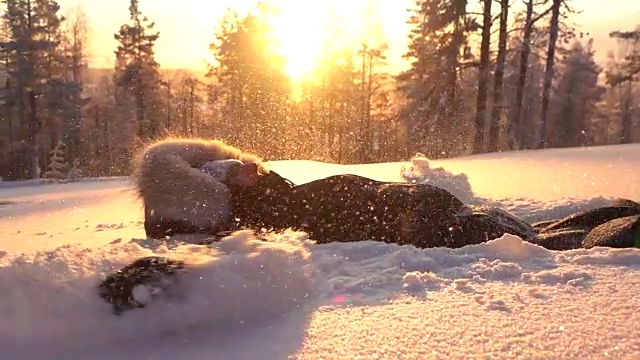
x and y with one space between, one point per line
348 208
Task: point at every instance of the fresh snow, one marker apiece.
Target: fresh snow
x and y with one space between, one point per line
290 298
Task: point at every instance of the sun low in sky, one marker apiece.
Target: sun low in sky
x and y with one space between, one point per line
301 28
300 35
187 27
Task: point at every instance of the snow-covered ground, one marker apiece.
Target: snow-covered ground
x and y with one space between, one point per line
248 299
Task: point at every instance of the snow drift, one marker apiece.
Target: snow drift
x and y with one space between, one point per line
51 297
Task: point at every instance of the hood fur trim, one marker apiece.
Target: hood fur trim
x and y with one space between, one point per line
172 188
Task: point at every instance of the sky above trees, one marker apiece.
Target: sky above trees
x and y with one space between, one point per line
187 26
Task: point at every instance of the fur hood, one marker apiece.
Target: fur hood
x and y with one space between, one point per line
175 191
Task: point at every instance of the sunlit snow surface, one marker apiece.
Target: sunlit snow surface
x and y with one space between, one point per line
248 299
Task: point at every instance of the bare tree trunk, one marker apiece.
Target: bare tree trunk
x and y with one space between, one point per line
312 118
548 73
454 66
169 125
496 110
143 127
76 37
369 125
32 123
33 127
483 80
106 150
191 107
625 131
363 111
516 128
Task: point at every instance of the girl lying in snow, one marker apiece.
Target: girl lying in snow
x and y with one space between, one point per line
347 208
191 186
197 186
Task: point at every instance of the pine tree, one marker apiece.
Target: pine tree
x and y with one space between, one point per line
137 72
623 77
107 139
339 108
74 46
339 99
53 94
24 47
577 94
57 163
250 87
36 86
371 89
439 51
75 173
630 68
189 99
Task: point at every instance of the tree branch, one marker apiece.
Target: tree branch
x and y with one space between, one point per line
541 15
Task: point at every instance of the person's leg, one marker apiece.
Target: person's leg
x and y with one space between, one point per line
426 216
622 232
433 217
589 219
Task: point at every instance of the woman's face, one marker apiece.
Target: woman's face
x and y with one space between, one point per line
244 175
239 177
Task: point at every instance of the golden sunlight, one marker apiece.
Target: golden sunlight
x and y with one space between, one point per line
302 27
299 40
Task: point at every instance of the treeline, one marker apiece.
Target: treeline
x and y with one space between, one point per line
492 79
43 60
510 78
